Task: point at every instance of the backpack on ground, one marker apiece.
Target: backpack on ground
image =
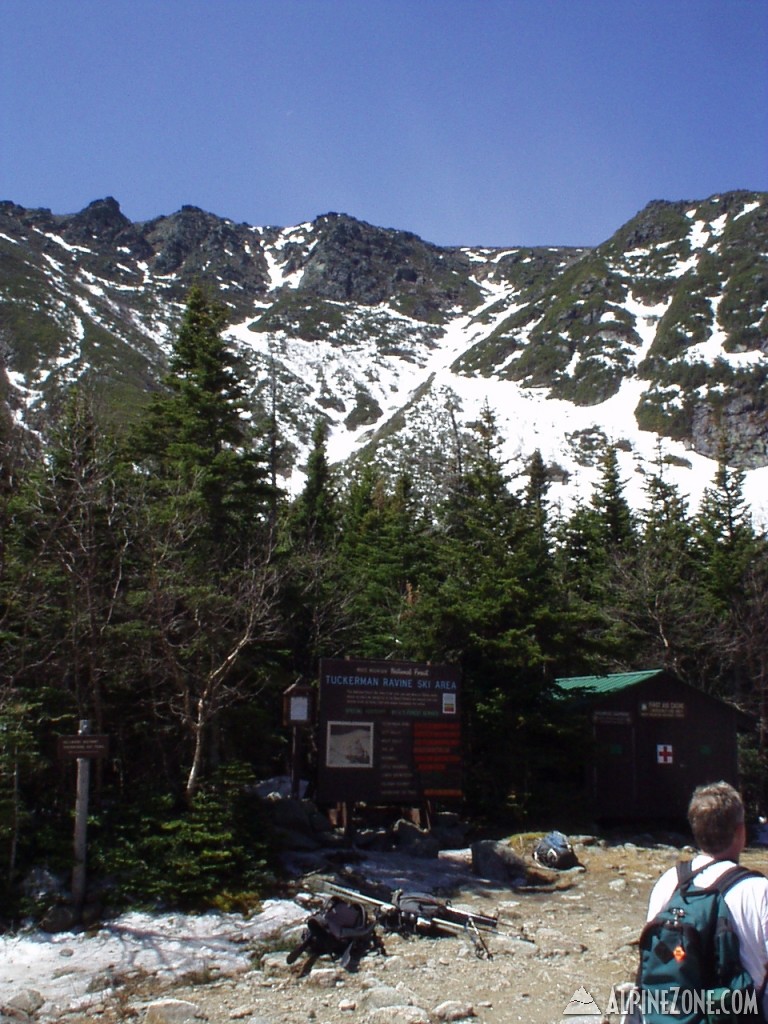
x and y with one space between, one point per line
340 930
690 971
554 850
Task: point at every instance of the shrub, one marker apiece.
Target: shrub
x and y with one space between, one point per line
212 854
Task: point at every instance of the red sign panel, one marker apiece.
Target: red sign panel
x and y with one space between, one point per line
389 731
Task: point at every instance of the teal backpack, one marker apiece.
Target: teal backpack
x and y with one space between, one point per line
690 971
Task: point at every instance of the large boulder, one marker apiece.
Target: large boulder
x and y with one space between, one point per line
410 839
498 862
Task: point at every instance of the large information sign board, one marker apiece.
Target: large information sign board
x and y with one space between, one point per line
390 731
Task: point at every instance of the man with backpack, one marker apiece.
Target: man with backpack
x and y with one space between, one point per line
707 927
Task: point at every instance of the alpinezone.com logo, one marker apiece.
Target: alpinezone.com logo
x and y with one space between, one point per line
670 1001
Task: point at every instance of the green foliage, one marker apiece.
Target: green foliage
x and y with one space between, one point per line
384 559
658 222
753 771
314 516
366 411
19 760
616 521
664 413
725 538
743 310
298 317
686 322
214 853
195 434
167 595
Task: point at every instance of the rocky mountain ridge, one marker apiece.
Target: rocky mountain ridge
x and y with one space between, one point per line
657 337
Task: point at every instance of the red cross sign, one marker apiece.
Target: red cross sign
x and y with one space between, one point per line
664 753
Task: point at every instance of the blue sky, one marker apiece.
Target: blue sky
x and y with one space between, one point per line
468 122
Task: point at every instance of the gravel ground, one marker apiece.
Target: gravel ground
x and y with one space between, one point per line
581 934
574 937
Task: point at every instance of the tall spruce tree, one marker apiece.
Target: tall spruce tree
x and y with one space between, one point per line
615 518
196 431
208 591
315 598
382 551
725 536
596 546
655 590
728 551
479 613
314 517
554 624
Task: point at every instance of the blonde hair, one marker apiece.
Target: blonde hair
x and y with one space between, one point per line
714 814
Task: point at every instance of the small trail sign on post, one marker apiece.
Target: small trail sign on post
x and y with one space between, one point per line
83 745
298 711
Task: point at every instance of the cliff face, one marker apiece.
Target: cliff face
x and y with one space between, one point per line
378 331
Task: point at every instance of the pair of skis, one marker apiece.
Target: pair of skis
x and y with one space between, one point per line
409 913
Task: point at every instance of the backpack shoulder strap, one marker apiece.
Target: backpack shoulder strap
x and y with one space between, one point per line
732 877
727 881
686 874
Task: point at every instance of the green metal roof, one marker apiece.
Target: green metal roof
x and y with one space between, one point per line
606 684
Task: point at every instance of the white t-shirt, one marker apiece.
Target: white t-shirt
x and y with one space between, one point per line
747 902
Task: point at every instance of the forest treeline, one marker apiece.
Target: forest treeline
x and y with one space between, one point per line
157 583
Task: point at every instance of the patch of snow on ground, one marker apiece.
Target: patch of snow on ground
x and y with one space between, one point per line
65 245
718 226
529 418
747 209
54 263
699 235
683 266
61 967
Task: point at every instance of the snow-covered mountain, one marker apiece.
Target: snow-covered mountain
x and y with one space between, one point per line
656 340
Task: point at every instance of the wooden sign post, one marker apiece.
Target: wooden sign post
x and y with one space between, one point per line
83 747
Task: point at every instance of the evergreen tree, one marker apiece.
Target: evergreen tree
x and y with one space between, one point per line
749 639
535 547
69 545
727 552
61 593
726 539
597 544
615 519
383 553
557 629
655 590
481 499
207 592
196 431
314 517
314 601
478 612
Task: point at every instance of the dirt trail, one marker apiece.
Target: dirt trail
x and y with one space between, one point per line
580 935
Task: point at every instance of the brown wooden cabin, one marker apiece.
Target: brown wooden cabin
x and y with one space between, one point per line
655 739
